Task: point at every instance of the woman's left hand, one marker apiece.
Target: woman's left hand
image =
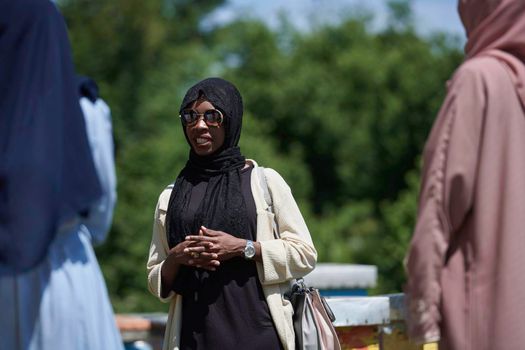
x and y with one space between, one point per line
223 244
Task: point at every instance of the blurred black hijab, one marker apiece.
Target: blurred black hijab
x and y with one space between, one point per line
223 207
47 175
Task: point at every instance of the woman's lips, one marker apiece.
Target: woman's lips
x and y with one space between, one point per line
202 141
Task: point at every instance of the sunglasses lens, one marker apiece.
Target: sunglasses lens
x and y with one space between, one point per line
213 117
189 117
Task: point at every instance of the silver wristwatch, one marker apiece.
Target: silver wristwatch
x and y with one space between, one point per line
249 250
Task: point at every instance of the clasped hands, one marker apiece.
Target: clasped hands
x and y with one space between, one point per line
207 249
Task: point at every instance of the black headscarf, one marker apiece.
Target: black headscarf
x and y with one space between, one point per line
223 207
47 174
87 87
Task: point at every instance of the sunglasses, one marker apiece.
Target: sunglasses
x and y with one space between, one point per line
212 117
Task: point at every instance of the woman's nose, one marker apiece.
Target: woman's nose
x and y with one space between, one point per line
201 124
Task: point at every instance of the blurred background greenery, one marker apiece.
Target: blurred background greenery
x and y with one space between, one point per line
341 111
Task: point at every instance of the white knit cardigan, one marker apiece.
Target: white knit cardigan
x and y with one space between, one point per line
292 255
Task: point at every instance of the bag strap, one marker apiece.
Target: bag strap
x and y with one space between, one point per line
264 185
268 199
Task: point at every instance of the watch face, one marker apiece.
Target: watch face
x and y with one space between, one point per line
249 250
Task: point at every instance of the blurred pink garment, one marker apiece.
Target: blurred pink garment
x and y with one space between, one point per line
466 285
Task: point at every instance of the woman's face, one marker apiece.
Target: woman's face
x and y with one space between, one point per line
204 139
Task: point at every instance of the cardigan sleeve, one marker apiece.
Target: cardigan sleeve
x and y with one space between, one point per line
447 191
293 255
159 248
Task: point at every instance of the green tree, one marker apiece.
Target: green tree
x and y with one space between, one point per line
357 107
340 111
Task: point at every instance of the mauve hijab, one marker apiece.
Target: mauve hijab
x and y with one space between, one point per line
497 28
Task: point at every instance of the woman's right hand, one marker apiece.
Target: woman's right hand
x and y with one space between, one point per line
180 255
197 257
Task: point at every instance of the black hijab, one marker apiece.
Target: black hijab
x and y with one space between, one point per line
87 88
47 174
223 207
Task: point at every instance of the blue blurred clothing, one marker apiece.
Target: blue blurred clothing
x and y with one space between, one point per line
100 136
63 303
47 175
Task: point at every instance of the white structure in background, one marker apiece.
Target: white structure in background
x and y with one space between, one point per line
342 279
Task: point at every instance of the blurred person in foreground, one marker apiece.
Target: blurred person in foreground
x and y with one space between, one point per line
57 189
466 285
214 254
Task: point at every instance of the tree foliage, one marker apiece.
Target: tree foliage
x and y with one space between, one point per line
340 111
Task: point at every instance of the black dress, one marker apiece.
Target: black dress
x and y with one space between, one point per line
227 308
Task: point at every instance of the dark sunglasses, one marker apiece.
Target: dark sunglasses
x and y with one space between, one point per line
212 117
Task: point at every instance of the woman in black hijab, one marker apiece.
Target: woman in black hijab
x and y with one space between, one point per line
214 253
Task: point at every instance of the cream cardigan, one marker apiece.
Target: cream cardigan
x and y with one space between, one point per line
291 256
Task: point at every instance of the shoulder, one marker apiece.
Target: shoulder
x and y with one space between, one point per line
483 80
470 72
479 71
274 179
480 66
164 197
271 175
97 113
